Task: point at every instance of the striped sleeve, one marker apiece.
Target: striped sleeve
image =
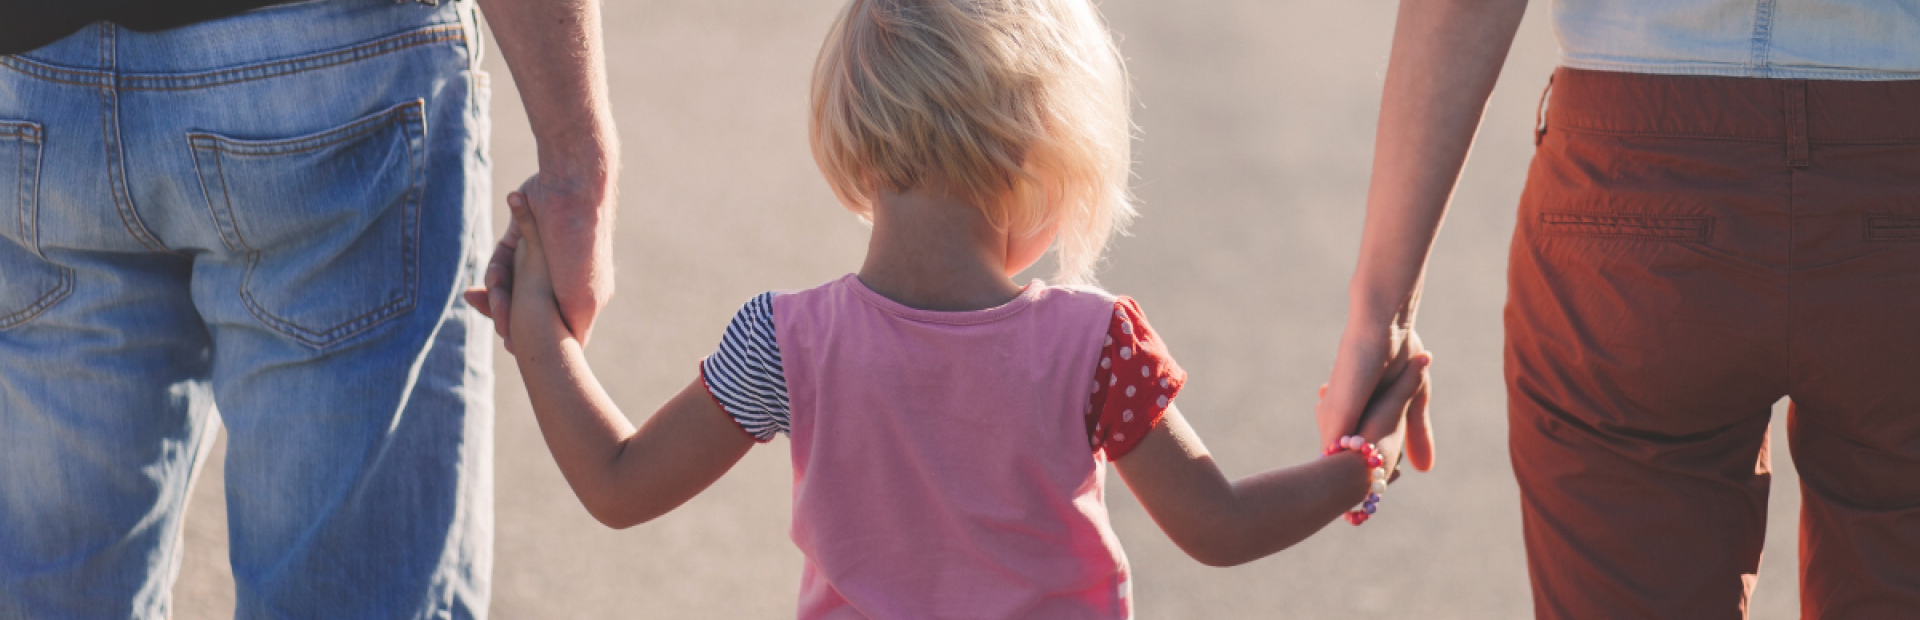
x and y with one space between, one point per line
744 374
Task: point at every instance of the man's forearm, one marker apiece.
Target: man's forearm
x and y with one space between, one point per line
553 48
1446 56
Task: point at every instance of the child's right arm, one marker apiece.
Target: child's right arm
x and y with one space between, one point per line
624 477
1224 523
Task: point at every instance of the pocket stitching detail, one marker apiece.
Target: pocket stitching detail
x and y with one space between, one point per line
317 339
27 218
1676 228
411 110
237 243
1893 228
46 301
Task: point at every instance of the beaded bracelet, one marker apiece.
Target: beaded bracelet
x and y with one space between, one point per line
1378 474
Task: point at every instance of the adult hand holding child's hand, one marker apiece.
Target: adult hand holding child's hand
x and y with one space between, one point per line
1363 375
578 231
532 308
1391 414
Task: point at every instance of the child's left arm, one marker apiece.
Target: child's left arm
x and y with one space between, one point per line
624 477
1223 522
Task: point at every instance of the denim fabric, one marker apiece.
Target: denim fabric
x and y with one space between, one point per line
272 213
1799 39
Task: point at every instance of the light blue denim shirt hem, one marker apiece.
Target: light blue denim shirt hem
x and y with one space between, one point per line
1861 40
1739 70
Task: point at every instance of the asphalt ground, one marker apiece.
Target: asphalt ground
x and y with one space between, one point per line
1255 134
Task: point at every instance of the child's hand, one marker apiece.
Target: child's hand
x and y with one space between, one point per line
494 298
1384 423
533 311
1363 370
1224 522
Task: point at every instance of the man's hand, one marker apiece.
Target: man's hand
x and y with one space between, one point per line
554 51
577 236
576 230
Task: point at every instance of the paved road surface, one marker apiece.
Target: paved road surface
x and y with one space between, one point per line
1256 125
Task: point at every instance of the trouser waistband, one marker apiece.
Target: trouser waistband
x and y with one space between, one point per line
1794 112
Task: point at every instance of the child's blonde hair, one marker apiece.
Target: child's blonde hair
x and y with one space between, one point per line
1016 106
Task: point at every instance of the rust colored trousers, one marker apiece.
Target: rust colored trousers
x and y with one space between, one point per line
1689 251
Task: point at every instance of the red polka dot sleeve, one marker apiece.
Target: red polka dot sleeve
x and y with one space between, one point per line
1136 378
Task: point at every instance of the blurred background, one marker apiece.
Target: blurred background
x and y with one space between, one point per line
1255 134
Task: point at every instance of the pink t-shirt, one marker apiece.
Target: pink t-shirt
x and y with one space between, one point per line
941 459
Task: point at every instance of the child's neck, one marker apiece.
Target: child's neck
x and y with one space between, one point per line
933 252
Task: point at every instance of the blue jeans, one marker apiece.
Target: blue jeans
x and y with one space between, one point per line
272 214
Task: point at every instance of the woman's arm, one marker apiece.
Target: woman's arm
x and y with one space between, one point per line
1446 56
1225 523
624 477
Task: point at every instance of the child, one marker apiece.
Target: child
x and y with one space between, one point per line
949 427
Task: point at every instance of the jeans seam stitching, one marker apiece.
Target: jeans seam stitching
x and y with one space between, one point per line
20 215
236 244
52 73
45 301
116 171
226 195
290 66
317 339
28 134
30 195
410 109
84 77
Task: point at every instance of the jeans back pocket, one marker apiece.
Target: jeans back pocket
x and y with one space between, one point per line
28 283
328 223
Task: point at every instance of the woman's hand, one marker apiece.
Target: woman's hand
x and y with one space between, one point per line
1394 418
1223 522
1368 363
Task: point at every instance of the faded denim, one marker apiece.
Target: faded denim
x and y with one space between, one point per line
273 213
1796 39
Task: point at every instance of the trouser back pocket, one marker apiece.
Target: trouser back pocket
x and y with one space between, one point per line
328 223
28 283
1893 228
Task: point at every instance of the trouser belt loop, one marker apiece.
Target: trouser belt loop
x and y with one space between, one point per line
1540 113
1797 151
